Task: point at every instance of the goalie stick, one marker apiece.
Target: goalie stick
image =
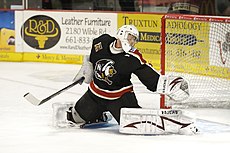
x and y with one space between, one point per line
33 100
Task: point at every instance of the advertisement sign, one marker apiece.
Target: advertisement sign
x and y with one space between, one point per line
7 31
197 47
220 49
192 46
63 32
187 45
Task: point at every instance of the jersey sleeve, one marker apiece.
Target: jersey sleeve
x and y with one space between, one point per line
136 53
148 76
100 44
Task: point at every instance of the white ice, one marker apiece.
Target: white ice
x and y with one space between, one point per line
25 128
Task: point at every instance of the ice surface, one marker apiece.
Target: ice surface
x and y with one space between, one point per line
25 128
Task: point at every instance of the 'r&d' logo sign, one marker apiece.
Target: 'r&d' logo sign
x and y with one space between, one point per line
41 32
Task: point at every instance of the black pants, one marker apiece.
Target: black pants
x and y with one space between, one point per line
91 107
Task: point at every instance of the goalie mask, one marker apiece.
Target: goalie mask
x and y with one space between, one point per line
128 35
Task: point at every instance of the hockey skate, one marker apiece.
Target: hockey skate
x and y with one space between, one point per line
62 117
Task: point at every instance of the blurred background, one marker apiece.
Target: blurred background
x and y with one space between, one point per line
201 7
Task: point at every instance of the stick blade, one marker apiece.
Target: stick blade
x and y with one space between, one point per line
33 100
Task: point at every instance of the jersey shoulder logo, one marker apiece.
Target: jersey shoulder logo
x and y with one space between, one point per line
98 46
104 69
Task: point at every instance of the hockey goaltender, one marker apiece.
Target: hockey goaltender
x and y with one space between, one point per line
108 71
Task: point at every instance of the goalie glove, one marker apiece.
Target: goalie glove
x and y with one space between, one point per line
86 71
176 88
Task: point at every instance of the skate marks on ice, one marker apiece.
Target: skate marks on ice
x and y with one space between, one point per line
55 76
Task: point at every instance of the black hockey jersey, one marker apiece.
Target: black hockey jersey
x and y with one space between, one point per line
112 72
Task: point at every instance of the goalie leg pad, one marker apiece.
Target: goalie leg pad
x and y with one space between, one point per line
60 114
163 121
65 116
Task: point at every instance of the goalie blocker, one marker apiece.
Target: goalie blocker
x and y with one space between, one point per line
162 121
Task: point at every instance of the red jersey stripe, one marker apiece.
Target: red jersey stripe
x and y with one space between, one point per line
109 94
137 54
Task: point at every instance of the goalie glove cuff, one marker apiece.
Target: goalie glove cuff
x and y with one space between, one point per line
162 84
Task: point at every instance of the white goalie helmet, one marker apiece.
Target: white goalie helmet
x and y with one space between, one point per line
127 41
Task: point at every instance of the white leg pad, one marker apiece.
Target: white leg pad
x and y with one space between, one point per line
60 115
162 121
